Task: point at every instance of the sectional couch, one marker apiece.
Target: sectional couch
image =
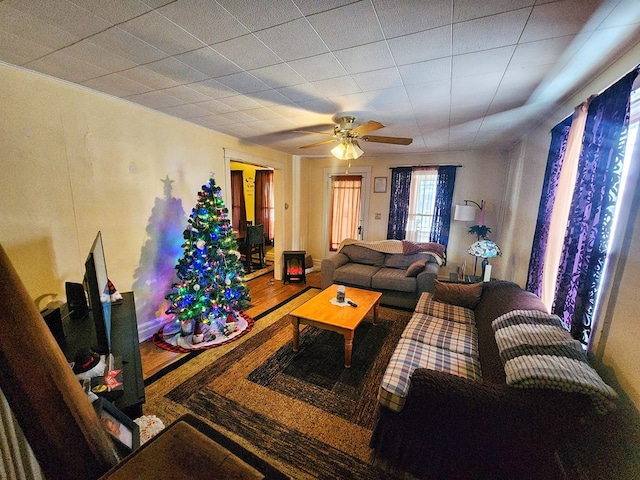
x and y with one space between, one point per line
467 395
399 269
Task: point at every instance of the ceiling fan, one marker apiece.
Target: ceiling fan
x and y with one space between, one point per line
347 137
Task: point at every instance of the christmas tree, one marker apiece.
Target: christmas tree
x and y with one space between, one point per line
211 285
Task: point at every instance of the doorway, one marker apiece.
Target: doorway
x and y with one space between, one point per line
345 214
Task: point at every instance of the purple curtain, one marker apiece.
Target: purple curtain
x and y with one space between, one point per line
557 149
442 210
592 207
399 202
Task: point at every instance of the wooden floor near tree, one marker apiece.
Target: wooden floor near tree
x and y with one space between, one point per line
265 292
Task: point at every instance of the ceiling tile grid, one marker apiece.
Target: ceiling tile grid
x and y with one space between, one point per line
451 74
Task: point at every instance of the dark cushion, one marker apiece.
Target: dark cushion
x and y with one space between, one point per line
366 256
463 295
415 268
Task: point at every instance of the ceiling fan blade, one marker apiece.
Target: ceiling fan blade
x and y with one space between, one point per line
367 127
311 131
394 140
318 143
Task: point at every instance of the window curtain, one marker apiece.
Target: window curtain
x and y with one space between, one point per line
345 209
592 207
442 210
399 202
562 204
559 136
238 207
264 203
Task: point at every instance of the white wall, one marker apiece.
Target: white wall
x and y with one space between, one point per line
75 162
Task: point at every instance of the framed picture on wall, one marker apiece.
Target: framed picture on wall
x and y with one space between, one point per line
380 185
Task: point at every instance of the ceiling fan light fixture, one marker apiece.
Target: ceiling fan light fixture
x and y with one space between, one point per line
346 150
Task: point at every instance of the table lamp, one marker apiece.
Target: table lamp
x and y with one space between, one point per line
485 248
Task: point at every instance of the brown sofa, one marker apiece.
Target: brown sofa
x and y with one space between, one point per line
453 427
384 266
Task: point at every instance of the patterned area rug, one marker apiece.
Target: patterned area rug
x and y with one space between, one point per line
303 412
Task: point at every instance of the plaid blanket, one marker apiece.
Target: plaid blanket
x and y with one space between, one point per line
538 352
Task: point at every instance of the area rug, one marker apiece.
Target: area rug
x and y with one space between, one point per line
302 411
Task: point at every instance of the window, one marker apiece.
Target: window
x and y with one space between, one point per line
422 201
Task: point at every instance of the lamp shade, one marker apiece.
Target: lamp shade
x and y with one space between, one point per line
465 213
346 150
484 248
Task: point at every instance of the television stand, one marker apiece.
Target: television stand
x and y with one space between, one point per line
124 344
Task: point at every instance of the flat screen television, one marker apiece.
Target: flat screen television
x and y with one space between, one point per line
97 284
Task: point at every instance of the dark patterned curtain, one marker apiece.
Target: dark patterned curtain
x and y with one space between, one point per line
592 207
399 202
442 210
264 207
557 149
238 208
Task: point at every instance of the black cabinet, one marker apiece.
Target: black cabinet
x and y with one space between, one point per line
125 346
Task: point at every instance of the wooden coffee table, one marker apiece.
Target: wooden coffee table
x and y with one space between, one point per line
321 313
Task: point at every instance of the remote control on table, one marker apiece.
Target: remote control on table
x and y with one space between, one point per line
353 304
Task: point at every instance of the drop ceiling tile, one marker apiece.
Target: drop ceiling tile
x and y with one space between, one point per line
540 52
373 56
63 14
439 69
309 7
240 102
378 79
422 95
212 121
66 67
127 46
354 102
214 106
464 10
116 85
213 89
300 93
96 55
243 82
348 26
421 46
279 75
187 94
321 106
162 33
33 29
176 70
247 52
204 19
18 51
489 32
318 68
389 96
269 98
148 77
262 113
339 85
293 40
476 90
209 62
557 19
416 16
155 100
114 12
186 111
487 61
259 15
238 117
625 12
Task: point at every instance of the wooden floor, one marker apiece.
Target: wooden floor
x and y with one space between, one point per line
265 292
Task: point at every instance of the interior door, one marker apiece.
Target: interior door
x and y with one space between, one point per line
346 208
